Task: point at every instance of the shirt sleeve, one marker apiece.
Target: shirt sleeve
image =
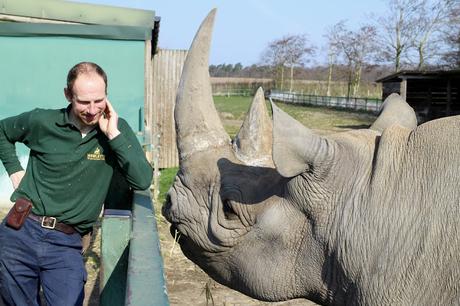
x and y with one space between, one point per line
131 158
13 129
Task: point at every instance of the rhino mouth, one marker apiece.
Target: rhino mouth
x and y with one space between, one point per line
186 244
179 237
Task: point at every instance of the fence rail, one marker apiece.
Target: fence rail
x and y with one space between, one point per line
360 104
132 270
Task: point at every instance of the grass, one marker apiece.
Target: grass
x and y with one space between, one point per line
233 110
232 107
327 119
166 180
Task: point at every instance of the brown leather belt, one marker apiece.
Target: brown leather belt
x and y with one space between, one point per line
52 223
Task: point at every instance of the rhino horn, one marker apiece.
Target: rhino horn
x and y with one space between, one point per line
198 127
253 144
296 148
395 111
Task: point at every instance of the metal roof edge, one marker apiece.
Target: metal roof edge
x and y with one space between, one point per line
415 73
20 29
78 12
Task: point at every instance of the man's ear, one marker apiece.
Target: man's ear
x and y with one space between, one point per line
68 94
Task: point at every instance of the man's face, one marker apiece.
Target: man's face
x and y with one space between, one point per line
88 99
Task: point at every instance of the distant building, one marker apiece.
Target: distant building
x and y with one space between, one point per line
432 94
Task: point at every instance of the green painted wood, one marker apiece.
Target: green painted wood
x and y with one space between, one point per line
116 232
20 29
78 12
145 281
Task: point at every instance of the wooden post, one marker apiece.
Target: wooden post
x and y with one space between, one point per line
403 89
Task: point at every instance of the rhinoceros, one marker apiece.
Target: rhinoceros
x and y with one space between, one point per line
362 217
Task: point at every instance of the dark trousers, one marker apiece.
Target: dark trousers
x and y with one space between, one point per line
34 256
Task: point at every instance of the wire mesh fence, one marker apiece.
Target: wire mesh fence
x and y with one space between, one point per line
358 104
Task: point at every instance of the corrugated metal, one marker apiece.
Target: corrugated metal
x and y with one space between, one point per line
167 69
78 12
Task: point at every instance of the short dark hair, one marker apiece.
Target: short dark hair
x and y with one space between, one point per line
84 67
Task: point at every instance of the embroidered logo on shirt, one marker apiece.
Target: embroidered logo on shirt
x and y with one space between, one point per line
96 155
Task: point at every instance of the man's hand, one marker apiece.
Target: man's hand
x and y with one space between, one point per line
16 178
109 122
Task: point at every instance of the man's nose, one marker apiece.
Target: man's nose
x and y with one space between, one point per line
92 108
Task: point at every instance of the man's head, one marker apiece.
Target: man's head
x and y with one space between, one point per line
86 91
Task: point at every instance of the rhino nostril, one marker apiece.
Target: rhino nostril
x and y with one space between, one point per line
229 212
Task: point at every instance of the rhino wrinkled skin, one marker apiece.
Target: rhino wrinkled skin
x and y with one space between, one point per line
364 217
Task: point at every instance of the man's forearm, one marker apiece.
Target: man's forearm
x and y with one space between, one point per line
131 158
8 150
16 178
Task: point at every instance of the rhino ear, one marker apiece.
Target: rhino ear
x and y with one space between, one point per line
253 144
296 148
395 111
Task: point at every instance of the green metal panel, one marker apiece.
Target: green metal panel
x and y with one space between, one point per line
86 31
116 231
78 12
145 282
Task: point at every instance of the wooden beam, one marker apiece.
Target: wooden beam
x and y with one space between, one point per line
403 89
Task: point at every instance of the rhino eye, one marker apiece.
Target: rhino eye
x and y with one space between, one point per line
230 214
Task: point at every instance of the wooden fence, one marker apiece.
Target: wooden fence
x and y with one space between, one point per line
166 72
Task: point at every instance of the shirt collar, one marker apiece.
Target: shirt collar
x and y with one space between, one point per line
63 118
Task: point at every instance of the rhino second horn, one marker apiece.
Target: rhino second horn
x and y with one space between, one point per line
198 127
253 144
295 147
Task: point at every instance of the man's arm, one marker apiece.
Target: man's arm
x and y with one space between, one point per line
130 156
12 130
16 178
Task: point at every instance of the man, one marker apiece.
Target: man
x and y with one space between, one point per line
73 153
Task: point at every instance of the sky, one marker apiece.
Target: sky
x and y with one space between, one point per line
244 28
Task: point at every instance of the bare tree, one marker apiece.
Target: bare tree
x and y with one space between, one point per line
411 31
451 34
430 24
356 49
398 27
333 50
289 51
273 56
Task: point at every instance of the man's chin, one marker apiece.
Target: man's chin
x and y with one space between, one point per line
90 122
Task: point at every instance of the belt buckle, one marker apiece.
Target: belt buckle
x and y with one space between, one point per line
48 222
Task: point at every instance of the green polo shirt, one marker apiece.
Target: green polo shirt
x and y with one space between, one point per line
68 176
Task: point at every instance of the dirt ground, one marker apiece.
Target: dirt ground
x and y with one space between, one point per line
188 285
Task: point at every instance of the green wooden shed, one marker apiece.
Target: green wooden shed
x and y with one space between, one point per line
432 94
